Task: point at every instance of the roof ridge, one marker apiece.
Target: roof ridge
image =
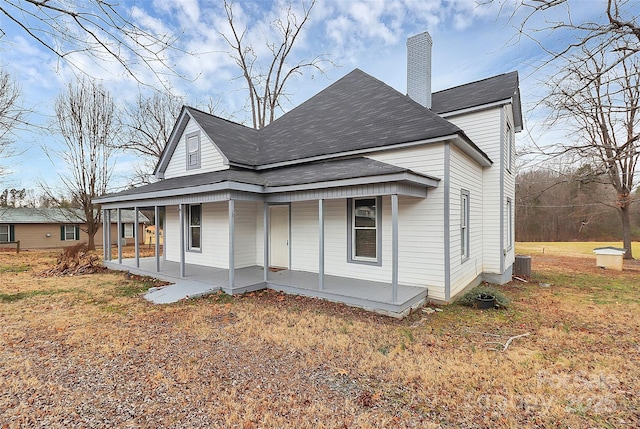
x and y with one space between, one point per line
218 117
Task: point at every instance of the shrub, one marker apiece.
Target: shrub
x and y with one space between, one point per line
469 298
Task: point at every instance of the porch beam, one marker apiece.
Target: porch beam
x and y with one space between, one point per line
119 216
321 244
266 241
181 208
135 236
232 227
156 213
394 248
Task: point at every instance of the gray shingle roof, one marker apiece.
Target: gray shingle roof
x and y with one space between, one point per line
356 112
54 215
293 175
238 142
486 91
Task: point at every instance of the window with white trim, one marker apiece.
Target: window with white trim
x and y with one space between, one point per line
193 150
5 233
364 230
509 224
69 232
194 219
464 224
128 230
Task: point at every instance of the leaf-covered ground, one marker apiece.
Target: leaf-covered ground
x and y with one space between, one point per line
89 351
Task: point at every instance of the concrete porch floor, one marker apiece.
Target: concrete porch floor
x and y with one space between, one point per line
201 280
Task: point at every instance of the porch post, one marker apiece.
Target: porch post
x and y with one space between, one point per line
108 243
156 213
181 227
104 234
232 227
135 236
266 242
119 215
321 244
394 248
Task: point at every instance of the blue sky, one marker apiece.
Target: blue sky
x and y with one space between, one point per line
471 41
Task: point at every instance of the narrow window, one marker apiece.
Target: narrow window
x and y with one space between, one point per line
509 225
4 234
364 230
193 151
195 212
464 224
510 149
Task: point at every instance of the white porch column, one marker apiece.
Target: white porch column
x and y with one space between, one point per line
156 214
135 236
321 244
104 234
232 227
394 248
119 234
266 242
181 209
108 242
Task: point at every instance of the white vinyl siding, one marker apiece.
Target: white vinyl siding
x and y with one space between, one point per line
214 235
483 128
246 213
210 158
420 221
305 236
465 178
509 224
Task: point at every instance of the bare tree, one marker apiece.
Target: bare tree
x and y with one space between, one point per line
86 120
97 28
266 81
601 103
148 125
11 114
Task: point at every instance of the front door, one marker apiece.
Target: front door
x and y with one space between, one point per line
279 236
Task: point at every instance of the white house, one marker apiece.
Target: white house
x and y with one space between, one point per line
361 194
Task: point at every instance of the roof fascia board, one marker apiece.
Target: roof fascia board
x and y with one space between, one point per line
222 186
467 148
355 152
477 108
428 182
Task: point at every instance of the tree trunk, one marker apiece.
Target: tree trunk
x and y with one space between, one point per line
626 230
92 244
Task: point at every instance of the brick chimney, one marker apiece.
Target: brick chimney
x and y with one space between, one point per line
419 68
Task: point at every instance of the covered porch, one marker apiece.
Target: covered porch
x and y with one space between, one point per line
202 280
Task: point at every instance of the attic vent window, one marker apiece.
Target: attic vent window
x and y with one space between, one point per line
193 150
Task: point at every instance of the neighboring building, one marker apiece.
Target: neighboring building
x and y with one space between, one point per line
42 228
361 194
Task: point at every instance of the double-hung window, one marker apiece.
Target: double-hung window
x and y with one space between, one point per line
195 218
69 232
127 230
193 150
364 230
464 224
5 233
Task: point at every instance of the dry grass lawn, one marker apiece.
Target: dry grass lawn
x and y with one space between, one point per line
89 351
